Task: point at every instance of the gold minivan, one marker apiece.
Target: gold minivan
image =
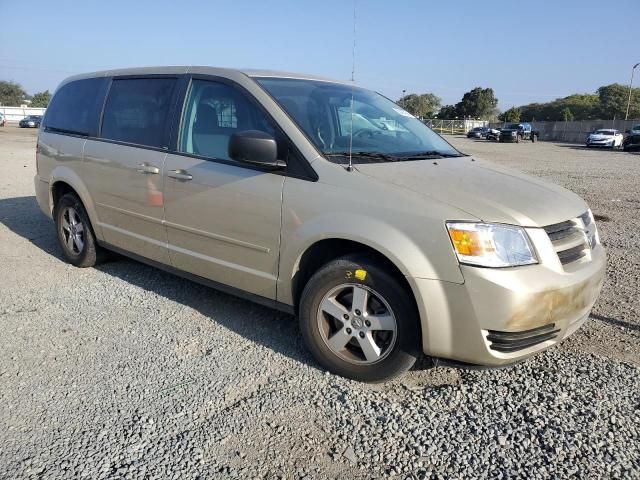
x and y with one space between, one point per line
321 199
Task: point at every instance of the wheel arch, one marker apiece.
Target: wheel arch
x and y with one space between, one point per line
64 180
323 251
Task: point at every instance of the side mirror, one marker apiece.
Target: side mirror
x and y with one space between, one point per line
255 147
628 131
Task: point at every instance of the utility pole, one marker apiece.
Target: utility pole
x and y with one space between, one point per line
626 117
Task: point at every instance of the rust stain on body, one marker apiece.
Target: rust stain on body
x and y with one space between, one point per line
553 306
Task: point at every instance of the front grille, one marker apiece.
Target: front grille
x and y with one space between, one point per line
569 238
513 341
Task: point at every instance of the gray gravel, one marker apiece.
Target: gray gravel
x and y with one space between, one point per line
124 371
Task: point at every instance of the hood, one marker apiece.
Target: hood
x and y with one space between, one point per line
601 136
483 190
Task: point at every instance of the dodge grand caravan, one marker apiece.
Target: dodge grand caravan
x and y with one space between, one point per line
322 199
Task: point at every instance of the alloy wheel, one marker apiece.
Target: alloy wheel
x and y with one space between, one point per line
357 324
72 231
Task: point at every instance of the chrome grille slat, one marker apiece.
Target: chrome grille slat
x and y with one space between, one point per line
560 234
559 227
572 254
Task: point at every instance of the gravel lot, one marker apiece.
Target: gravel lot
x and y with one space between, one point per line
124 371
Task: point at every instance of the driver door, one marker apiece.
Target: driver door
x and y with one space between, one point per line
222 217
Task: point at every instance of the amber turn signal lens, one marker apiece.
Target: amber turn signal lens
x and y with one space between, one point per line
471 243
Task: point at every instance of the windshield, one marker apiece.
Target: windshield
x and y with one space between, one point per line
323 111
605 132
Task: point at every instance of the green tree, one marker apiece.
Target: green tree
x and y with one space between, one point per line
478 103
41 99
420 105
613 101
11 94
582 106
448 112
567 116
512 115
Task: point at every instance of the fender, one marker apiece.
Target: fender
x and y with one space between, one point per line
64 174
386 239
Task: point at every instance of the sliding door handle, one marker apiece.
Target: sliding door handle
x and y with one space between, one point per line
146 168
180 174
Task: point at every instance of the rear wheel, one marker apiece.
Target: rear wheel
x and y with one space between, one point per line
75 235
358 321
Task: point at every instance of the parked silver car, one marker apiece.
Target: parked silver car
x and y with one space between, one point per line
386 242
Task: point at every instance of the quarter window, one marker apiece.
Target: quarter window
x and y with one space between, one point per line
213 112
75 107
137 110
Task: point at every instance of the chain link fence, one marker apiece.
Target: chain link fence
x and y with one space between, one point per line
452 127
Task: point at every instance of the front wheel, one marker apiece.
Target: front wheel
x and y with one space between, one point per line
359 321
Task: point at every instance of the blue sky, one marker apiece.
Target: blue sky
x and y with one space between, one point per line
526 51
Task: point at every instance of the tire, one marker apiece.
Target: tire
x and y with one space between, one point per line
75 234
353 346
517 138
534 138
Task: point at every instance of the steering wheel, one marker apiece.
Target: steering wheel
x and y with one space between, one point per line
370 132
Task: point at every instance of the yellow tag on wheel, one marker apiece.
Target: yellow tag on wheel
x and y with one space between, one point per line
360 274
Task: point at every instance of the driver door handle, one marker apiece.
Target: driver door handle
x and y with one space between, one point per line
180 174
146 168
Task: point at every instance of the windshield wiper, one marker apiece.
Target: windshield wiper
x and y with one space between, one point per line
431 154
372 155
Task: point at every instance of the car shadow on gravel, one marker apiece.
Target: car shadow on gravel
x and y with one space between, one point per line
576 146
23 216
264 326
616 322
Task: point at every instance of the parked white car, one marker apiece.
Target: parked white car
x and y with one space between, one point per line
605 138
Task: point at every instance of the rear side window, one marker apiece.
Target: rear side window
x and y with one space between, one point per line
137 110
75 107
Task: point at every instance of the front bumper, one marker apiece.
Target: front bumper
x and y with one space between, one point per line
469 322
600 143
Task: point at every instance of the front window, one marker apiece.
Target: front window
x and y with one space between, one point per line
605 132
338 118
215 111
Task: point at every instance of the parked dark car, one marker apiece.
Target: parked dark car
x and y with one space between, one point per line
493 135
478 132
515 132
632 139
31 121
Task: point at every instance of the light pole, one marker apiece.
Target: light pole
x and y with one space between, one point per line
403 99
630 90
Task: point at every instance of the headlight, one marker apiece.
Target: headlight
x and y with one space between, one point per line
491 245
